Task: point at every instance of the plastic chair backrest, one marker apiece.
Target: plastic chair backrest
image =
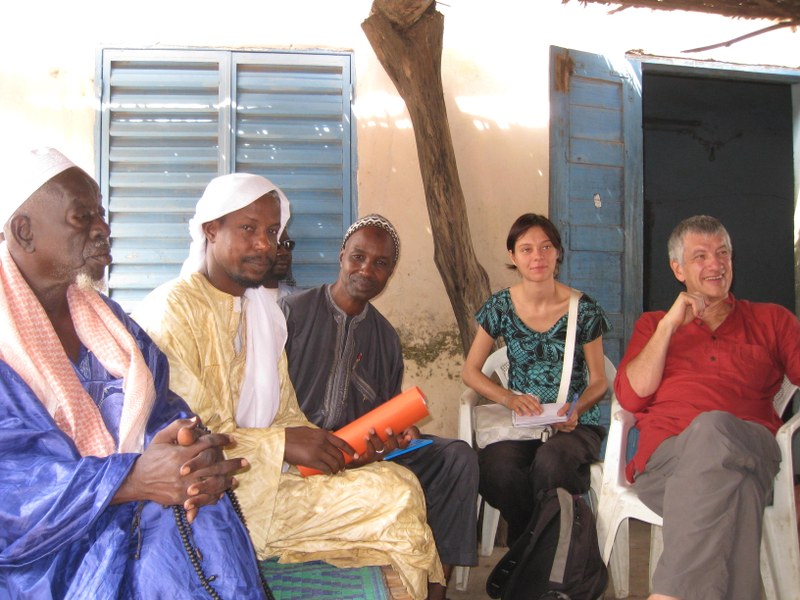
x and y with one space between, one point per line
605 402
783 396
497 363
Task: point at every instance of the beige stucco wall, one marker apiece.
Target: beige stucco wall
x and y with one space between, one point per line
495 74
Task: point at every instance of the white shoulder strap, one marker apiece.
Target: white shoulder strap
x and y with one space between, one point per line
569 345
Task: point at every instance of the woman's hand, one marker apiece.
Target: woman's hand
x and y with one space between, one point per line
522 404
571 423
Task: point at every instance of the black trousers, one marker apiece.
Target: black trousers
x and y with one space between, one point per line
514 474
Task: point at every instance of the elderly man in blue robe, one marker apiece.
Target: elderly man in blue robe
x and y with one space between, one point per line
109 486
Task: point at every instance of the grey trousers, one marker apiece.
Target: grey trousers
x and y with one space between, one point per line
711 484
448 473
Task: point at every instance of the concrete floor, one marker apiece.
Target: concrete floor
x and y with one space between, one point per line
640 550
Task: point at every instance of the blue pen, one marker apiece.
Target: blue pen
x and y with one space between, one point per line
572 406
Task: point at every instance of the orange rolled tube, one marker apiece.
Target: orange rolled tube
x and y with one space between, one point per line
399 413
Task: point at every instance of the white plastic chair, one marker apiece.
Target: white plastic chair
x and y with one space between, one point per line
780 552
497 363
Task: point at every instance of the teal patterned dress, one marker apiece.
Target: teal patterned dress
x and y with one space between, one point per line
536 358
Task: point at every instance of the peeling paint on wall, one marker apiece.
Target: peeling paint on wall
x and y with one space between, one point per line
433 361
426 348
564 67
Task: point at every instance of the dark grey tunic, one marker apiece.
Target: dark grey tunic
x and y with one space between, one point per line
342 368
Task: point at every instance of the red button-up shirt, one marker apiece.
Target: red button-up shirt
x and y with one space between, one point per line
738 368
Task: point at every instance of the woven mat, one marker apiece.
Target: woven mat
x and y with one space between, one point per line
316 580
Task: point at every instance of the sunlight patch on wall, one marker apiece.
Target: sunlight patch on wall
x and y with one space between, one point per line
376 106
504 112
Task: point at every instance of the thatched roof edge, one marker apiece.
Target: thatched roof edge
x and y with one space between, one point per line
775 10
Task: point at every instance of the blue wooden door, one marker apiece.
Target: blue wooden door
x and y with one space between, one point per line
596 182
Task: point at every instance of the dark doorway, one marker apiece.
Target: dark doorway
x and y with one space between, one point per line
723 148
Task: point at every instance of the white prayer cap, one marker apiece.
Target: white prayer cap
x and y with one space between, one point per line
224 195
26 174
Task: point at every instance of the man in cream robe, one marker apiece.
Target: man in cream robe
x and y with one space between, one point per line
210 323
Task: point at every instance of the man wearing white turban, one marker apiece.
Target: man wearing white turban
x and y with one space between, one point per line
109 488
224 336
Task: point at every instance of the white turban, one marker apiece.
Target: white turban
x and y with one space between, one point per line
259 396
224 195
30 171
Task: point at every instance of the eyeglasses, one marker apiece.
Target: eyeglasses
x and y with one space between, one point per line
286 245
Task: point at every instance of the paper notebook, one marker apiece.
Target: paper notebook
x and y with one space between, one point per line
549 415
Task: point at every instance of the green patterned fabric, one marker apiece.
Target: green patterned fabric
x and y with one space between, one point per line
536 358
317 580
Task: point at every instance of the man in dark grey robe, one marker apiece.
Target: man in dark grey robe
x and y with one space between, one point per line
345 359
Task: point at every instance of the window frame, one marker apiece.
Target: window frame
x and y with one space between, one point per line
230 64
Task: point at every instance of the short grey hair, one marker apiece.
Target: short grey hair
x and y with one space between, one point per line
700 224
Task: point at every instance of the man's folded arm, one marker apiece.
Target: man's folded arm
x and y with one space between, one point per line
637 371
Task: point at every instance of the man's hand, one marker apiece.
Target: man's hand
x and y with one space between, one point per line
181 466
645 371
685 308
377 448
315 448
211 474
412 433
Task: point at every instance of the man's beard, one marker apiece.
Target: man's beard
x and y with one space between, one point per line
86 282
280 269
249 282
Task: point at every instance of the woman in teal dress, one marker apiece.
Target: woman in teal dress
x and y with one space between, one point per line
531 316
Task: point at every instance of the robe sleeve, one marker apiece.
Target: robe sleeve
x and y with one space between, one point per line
51 496
200 372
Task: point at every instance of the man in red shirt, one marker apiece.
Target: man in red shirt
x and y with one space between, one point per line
700 379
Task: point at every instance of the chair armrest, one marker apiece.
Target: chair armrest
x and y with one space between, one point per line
469 398
616 445
786 432
784 480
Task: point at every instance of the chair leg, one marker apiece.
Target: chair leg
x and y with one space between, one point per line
596 476
619 563
656 548
780 559
461 577
768 574
491 519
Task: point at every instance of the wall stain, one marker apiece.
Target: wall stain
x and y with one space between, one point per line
429 348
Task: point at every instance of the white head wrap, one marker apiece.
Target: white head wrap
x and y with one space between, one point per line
259 396
224 195
30 171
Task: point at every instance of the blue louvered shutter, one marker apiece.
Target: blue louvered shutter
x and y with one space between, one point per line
171 120
595 180
292 124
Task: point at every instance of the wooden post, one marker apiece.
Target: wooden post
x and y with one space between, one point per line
406 35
